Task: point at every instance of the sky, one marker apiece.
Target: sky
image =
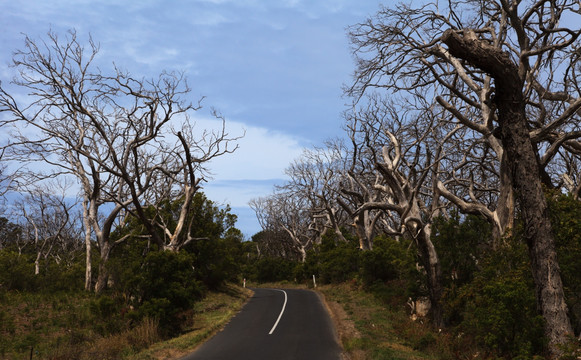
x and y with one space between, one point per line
273 68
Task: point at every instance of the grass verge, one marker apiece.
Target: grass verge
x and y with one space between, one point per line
369 328
209 316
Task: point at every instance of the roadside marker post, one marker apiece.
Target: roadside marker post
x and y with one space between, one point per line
314 281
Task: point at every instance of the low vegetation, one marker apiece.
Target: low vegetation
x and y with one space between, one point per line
488 293
72 326
162 304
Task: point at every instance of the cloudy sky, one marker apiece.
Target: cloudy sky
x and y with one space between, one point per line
273 68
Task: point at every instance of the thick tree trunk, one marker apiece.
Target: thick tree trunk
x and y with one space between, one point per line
364 240
526 175
537 226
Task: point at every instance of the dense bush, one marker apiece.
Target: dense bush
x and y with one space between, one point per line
338 260
17 272
270 269
489 294
499 307
460 245
389 260
217 260
164 286
566 220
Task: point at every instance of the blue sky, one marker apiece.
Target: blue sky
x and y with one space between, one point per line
273 68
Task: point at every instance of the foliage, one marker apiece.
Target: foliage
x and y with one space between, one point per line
460 243
217 261
389 260
270 269
498 307
9 232
163 286
566 220
17 271
339 261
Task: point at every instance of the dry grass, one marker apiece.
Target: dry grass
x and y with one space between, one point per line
369 329
112 347
63 327
209 316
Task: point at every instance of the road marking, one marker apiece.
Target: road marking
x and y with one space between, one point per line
280 315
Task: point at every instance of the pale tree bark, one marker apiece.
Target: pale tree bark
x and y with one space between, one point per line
314 177
359 179
125 140
404 164
191 160
285 212
48 222
88 246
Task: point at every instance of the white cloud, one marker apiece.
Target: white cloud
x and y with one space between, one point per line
253 169
263 154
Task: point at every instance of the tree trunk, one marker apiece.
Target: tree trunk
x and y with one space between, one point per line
526 175
87 224
431 264
37 264
364 240
505 204
537 226
88 265
103 276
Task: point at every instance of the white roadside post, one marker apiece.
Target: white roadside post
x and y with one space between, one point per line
314 281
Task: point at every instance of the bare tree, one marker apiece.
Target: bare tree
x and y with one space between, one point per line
504 69
48 222
129 142
402 160
314 176
284 211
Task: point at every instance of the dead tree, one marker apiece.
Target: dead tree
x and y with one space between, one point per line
504 70
403 163
285 212
126 140
314 176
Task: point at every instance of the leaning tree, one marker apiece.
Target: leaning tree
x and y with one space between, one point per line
507 70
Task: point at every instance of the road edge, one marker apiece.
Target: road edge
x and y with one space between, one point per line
343 327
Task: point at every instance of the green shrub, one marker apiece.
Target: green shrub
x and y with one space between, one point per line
303 272
339 261
460 245
499 305
566 219
389 260
269 269
217 260
17 271
162 286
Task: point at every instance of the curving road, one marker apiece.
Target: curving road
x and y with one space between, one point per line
275 324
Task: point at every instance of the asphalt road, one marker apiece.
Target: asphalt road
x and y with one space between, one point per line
275 324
